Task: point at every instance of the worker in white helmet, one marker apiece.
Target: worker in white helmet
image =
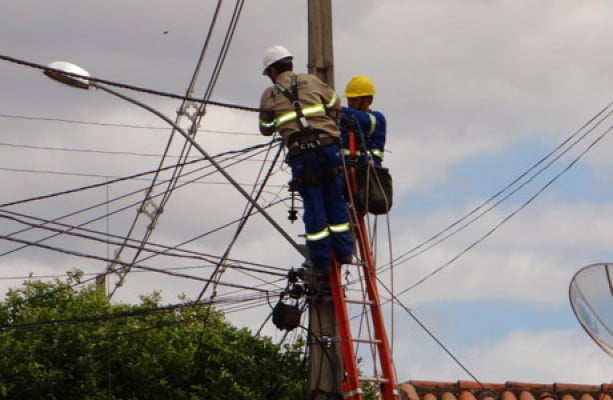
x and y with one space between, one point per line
304 111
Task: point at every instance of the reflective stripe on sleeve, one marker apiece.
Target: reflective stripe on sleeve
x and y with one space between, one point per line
332 101
291 115
377 153
373 124
324 233
270 124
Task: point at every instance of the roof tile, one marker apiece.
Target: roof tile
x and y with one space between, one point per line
471 390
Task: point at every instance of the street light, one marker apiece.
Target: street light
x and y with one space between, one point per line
75 76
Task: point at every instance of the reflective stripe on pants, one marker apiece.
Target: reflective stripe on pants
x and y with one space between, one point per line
325 208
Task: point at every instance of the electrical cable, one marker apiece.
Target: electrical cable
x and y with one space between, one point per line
429 333
511 215
89 151
116 125
408 255
81 175
138 175
224 51
243 220
95 219
174 247
187 146
88 187
166 252
549 183
130 177
139 312
135 257
32 276
395 298
511 193
126 86
146 268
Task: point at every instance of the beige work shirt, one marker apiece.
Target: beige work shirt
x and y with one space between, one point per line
311 91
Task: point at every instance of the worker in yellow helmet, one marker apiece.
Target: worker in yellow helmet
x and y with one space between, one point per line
368 126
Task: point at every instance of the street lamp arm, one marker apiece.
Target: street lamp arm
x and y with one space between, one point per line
207 157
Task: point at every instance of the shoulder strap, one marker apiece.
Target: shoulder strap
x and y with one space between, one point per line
292 96
292 93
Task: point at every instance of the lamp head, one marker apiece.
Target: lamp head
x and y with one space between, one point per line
69 74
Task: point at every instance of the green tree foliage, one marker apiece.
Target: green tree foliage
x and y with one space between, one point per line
97 350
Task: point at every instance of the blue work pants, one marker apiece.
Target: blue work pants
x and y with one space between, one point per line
325 215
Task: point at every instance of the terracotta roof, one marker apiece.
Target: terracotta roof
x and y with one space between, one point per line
470 390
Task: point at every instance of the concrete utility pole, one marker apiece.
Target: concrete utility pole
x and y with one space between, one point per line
321 53
325 358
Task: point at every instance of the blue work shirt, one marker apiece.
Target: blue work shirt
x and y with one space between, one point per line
369 129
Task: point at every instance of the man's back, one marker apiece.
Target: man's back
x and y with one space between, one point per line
311 91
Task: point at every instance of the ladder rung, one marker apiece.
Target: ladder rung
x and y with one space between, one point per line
375 379
362 302
369 341
356 263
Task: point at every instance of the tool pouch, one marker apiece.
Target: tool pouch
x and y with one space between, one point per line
375 189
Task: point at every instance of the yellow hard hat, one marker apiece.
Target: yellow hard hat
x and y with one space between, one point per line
359 86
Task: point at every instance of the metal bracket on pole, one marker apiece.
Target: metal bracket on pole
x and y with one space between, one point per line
194 116
154 214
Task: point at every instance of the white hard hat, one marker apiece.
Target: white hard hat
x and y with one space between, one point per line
274 54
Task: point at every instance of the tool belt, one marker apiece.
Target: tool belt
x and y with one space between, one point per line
302 141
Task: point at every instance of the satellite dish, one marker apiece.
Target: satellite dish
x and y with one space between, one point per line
591 296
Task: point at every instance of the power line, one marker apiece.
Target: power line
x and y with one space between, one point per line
120 179
161 249
187 144
89 151
148 269
431 334
511 215
114 212
139 312
142 267
32 276
216 275
126 86
412 253
117 125
115 177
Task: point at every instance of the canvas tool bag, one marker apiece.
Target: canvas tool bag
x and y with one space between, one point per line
375 189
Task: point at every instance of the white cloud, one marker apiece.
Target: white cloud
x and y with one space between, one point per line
530 259
563 356
548 356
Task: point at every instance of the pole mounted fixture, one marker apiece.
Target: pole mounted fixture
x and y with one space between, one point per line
68 74
75 76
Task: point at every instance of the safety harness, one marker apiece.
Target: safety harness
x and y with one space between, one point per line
306 140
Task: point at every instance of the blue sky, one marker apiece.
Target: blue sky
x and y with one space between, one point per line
482 176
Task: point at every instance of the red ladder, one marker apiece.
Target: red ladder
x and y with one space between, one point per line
351 385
